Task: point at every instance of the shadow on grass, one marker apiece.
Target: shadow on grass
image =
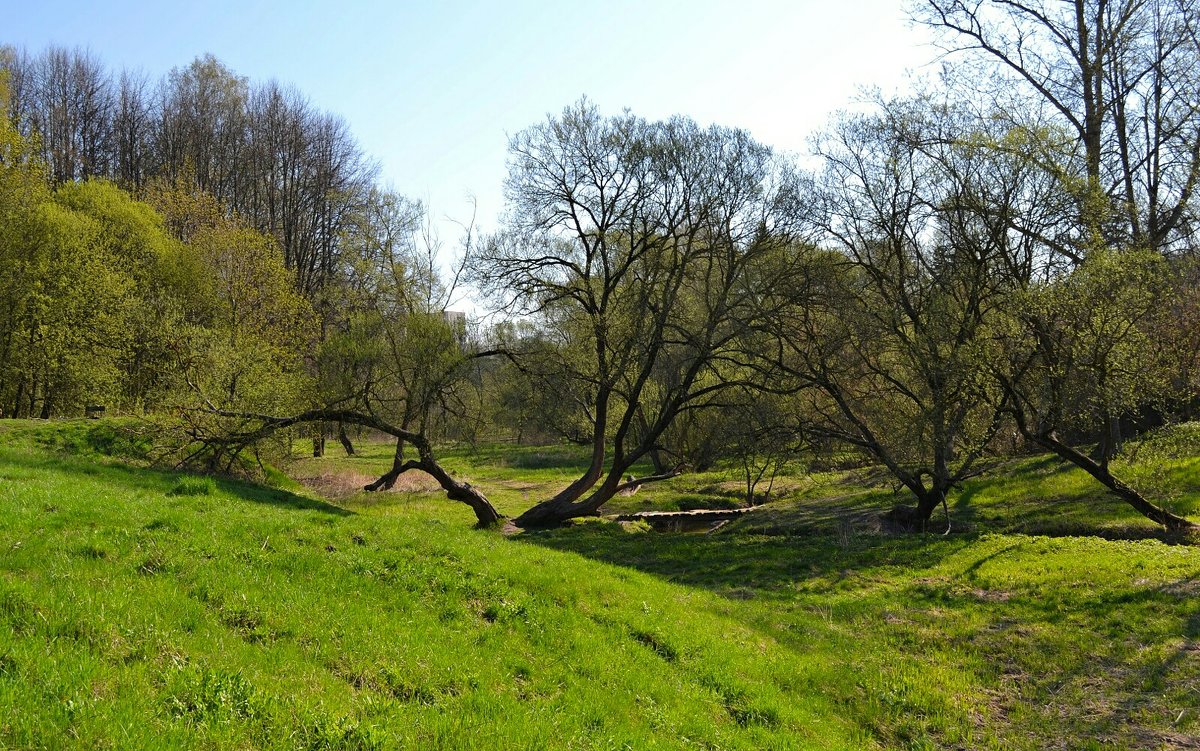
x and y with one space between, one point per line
735 563
124 476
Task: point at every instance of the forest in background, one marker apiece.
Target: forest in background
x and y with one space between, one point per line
1004 261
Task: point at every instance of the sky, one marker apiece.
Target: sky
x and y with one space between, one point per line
433 90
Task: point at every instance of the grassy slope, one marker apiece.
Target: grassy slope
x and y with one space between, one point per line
147 609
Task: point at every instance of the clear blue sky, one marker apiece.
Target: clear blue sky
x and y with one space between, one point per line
432 89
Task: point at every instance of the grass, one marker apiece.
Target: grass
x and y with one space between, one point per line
149 609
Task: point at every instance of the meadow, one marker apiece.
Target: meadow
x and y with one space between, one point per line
146 608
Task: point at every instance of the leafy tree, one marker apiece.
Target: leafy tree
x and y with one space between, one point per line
81 265
22 189
244 331
139 249
263 151
69 332
392 360
1081 350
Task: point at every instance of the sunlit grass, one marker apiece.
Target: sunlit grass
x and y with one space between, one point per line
149 609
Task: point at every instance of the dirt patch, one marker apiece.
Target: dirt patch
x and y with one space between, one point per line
341 484
1168 741
1182 588
520 485
991 595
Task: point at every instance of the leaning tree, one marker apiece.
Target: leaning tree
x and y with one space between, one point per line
912 256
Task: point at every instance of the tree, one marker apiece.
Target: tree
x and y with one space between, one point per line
1104 93
264 151
1118 79
22 189
391 360
242 430
66 306
244 332
1082 350
634 242
85 272
885 328
133 241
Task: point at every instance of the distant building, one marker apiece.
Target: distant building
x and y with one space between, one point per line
458 321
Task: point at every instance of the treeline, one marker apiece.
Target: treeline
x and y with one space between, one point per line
264 150
110 301
1004 261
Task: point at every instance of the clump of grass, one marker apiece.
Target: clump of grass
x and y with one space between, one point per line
193 485
202 694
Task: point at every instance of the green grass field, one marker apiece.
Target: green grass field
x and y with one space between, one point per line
142 608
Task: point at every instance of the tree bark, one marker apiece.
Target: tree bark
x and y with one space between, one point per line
388 479
916 518
562 507
345 439
1101 473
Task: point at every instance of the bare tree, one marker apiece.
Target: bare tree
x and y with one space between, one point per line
913 256
1117 78
64 97
131 130
636 242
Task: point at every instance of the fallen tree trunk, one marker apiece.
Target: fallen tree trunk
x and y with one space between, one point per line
671 519
1048 439
1101 474
634 484
258 426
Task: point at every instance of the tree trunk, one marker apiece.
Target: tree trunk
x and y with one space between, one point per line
656 461
486 514
388 480
1102 475
1109 443
345 439
16 412
905 518
563 507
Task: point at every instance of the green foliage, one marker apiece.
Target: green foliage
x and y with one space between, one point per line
67 329
101 305
1093 335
